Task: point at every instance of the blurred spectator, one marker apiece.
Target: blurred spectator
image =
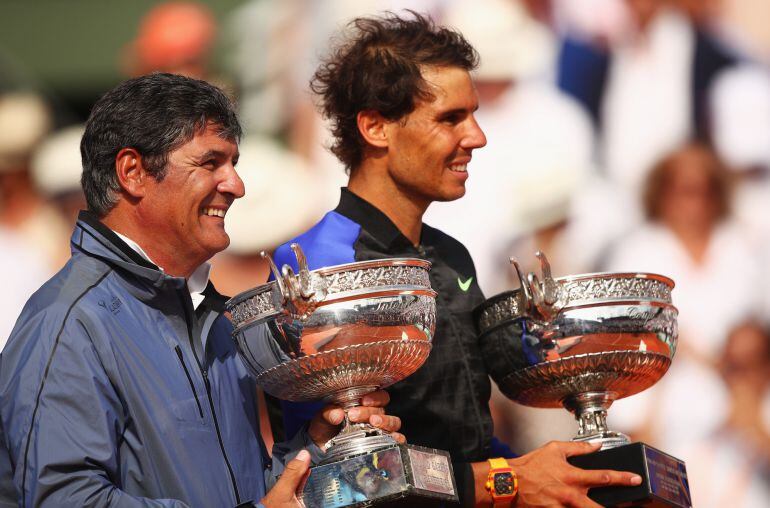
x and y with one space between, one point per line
745 368
690 237
644 81
175 37
23 273
731 467
269 42
56 169
740 108
24 121
744 24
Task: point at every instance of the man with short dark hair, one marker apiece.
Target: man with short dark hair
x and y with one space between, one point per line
120 384
401 101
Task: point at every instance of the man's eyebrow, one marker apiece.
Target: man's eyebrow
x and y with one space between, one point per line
458 111
213 154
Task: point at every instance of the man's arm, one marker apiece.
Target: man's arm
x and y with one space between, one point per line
547 479
65 447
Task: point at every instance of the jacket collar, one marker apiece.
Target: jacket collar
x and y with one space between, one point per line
95 239
373 220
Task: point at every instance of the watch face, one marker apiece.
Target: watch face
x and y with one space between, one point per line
503 484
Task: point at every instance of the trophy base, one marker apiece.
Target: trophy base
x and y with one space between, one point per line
398 475
664 478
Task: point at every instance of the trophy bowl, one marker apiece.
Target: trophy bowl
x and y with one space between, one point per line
336 334
580 342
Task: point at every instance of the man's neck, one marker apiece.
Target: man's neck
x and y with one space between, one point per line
175 264
404 210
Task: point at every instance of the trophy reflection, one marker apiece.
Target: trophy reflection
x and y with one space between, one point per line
581 342
336 334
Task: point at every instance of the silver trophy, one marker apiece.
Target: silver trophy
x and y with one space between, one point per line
336 334
581 342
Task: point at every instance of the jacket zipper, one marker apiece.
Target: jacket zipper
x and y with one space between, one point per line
187 305
189 378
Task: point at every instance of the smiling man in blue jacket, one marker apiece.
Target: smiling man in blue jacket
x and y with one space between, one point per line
120 385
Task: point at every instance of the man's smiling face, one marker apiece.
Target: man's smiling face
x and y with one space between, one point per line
185 211
429 150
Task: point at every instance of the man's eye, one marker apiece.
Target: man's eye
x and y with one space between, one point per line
452 119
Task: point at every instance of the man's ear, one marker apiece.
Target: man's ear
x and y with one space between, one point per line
132 175
371 125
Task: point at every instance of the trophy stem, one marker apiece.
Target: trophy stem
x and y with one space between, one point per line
349 397
590 410
354 438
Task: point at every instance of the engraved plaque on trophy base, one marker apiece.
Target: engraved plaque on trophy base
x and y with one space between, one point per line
664 478
401 475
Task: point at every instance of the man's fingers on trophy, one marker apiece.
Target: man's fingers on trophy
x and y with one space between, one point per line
602 477
389 423
283 493
364 414
380 398
300 463
572 448
399 437
333 415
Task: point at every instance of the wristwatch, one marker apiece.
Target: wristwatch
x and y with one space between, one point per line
502 483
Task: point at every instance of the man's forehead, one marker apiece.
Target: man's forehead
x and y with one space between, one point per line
212 141
449 85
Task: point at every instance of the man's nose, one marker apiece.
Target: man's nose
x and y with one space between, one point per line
231 183
474 137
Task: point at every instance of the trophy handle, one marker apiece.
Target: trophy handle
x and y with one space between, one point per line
305 288
300 293
526 292
276 275
550 286
546 295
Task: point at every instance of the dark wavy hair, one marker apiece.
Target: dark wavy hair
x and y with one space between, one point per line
377 66
154 114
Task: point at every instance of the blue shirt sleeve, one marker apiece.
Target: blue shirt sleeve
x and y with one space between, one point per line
500 449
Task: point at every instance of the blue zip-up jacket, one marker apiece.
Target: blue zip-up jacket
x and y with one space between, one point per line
108 396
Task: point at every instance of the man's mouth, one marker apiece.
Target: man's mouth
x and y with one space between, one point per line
458 168
214 212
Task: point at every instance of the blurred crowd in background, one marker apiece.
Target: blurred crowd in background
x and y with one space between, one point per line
623 135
